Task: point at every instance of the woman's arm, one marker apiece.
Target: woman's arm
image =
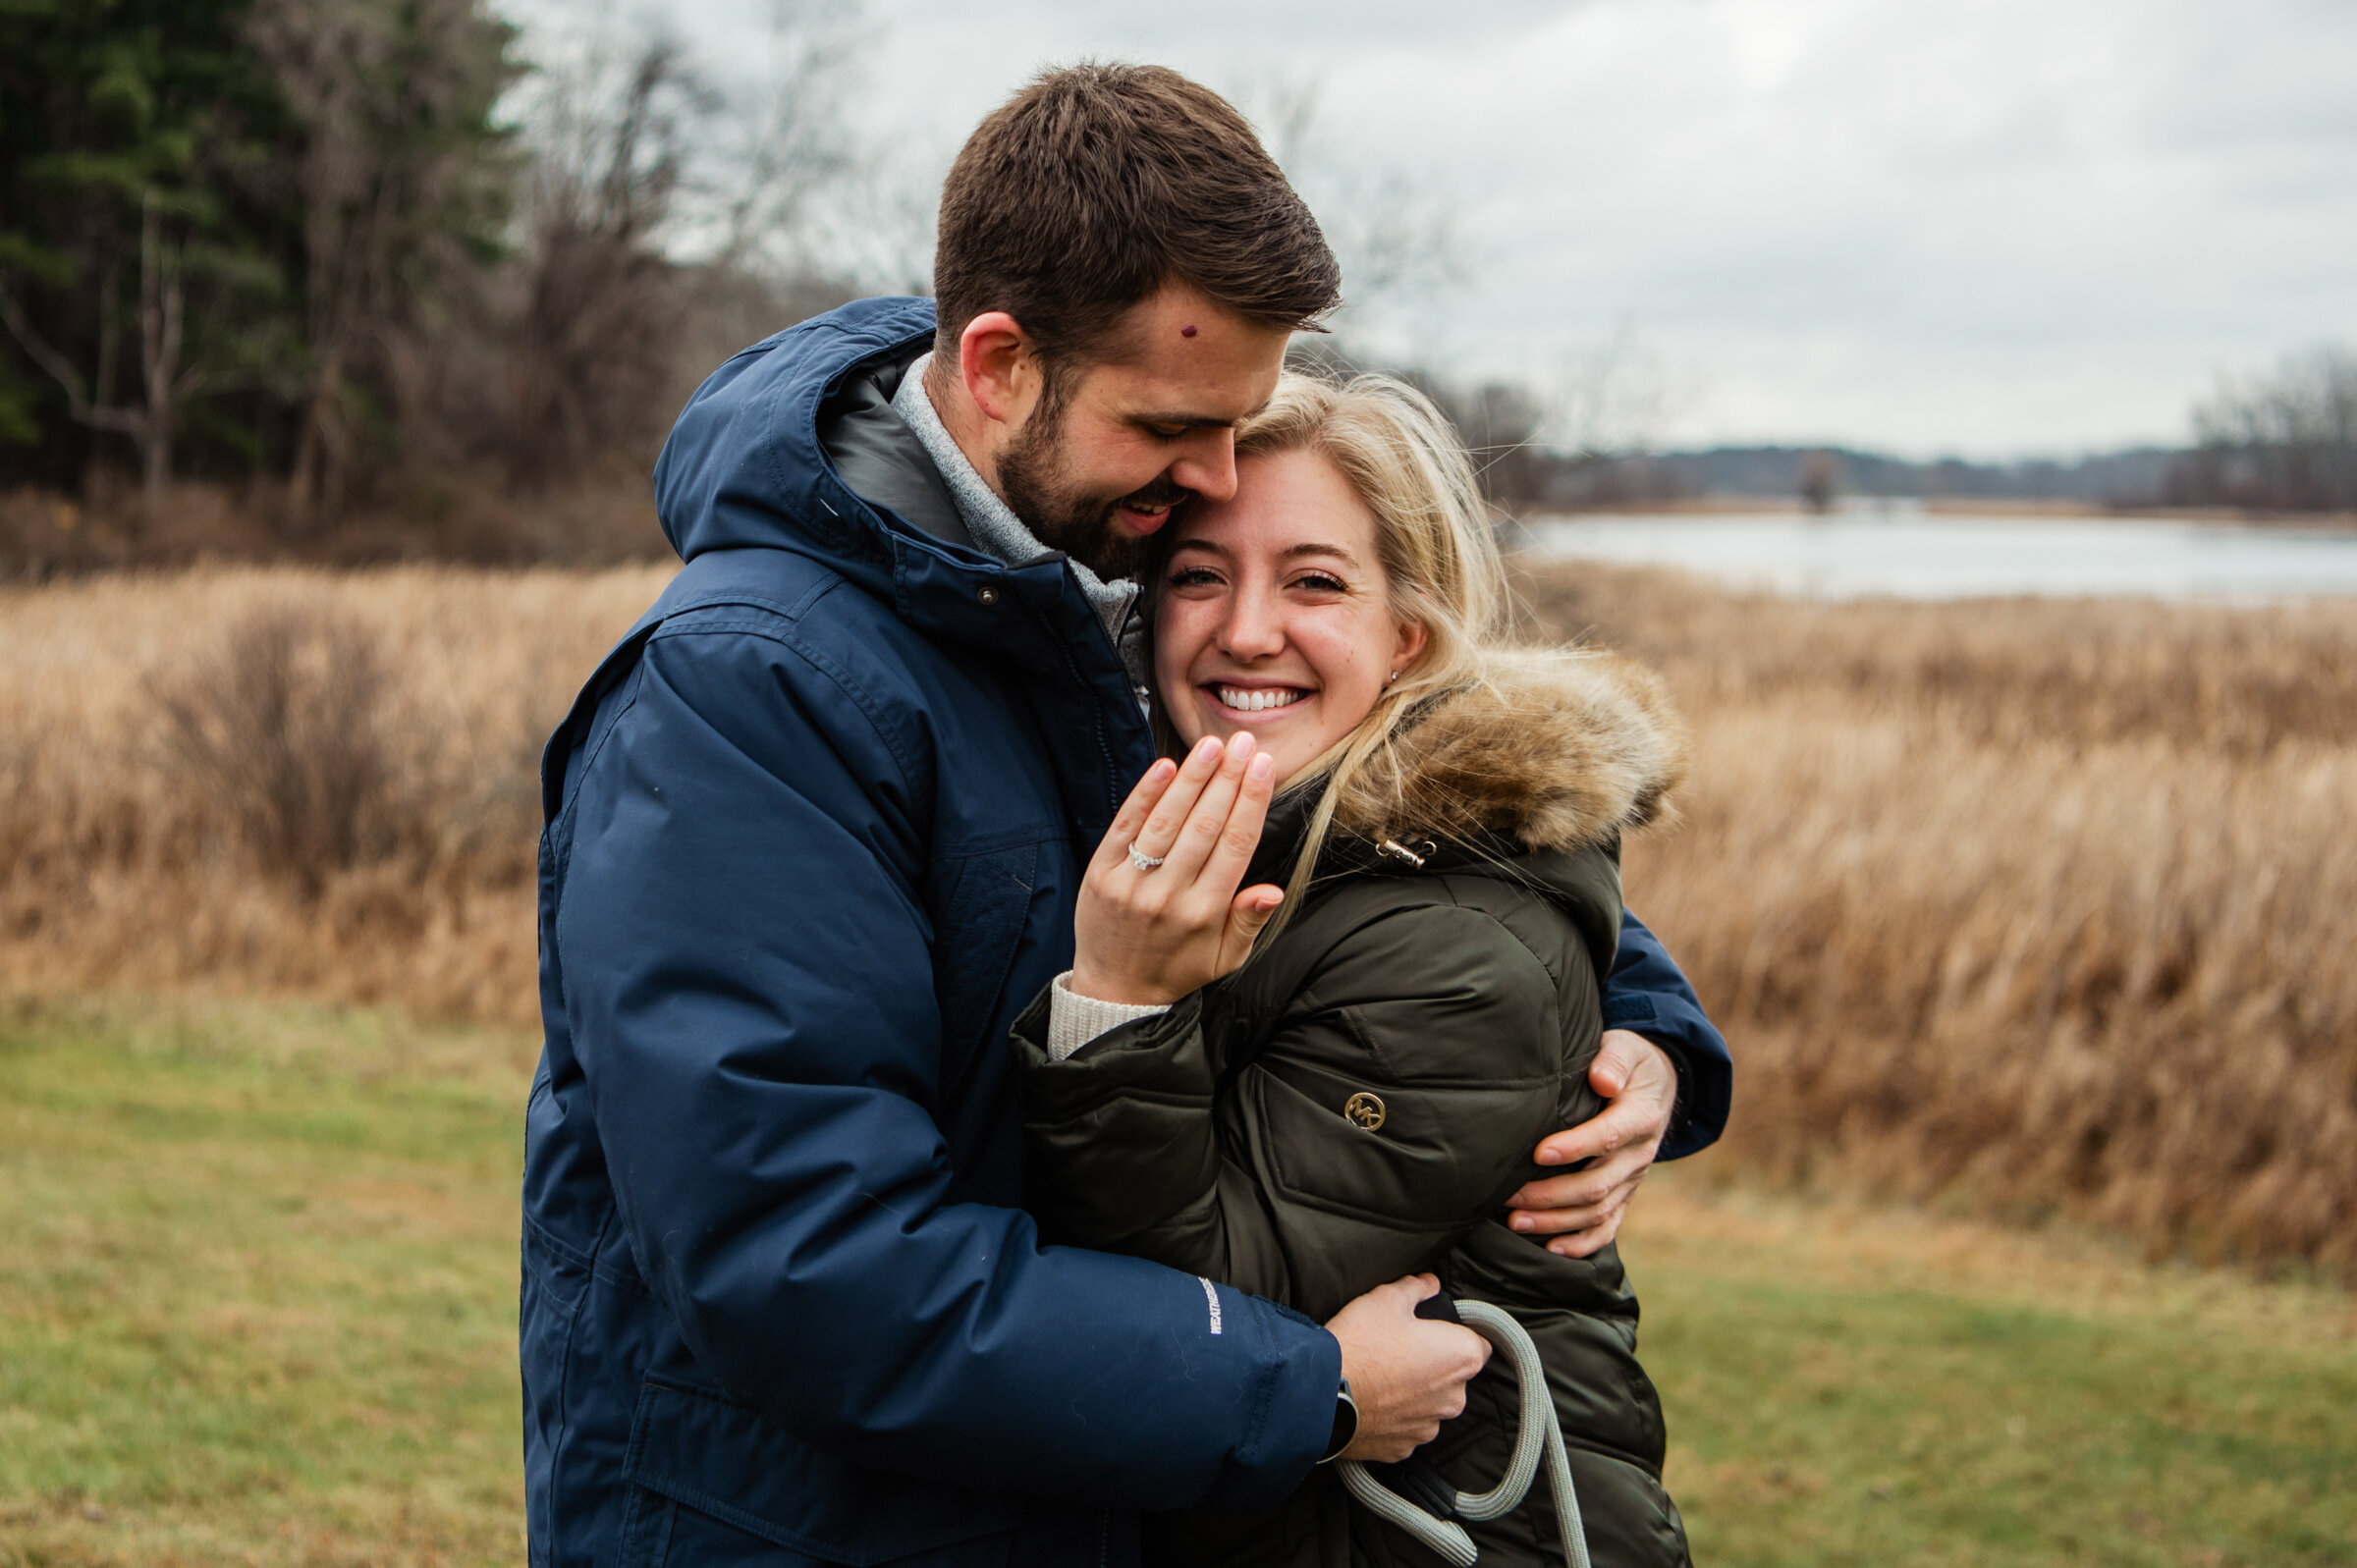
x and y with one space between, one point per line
1395 1104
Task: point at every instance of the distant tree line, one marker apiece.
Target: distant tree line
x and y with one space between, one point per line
1822 475
296 245
2280 441
2285 441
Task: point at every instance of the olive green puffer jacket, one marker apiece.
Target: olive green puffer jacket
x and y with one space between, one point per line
1357 1102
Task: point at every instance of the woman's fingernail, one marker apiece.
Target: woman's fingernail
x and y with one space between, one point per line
1208 747
1239 745
1524 1222
1262 765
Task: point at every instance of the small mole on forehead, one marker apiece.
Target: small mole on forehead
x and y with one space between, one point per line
1187 331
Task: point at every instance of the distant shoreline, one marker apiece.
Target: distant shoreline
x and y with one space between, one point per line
1951 507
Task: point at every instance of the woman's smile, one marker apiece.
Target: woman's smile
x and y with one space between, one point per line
1247 701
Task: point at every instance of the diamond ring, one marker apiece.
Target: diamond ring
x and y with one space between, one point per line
1141 860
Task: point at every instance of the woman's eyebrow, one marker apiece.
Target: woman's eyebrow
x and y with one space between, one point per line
1289 553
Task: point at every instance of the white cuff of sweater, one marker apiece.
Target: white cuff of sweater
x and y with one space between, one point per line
1073 1020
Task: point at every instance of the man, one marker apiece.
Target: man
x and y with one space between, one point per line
814 834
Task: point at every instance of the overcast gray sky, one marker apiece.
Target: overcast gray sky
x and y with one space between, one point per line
1991 227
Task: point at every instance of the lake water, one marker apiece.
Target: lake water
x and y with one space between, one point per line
1914 555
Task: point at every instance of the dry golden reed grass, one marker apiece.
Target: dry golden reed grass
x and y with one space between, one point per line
119 870
2032 905
2029 906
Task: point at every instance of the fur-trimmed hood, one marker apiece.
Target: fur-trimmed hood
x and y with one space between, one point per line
1554 750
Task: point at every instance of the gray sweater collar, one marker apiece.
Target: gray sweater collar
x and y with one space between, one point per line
997 531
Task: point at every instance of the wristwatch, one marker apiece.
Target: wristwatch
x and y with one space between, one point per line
1346 1423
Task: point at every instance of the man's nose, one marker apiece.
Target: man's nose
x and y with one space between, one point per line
1207 466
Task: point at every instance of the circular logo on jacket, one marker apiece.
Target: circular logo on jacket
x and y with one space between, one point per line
1364 1109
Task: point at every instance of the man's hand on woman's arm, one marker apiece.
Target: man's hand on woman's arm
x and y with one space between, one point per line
1678 1064
1582 1210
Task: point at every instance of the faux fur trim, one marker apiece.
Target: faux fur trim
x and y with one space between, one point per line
1553 749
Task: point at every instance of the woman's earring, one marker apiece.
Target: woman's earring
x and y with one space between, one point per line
1394 677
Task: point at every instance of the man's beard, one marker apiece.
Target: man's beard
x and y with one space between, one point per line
1080 523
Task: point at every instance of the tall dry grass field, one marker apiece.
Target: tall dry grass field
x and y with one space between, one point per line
2031 906
2039 906
289 779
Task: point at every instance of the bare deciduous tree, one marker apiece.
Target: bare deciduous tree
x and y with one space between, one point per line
168 377
2281 441
394 180
1393 229
873 226
783 141
1612 400
661 211
598 310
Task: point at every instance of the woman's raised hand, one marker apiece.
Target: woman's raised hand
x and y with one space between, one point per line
1152 935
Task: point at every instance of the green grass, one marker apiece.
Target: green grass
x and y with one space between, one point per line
1874 1388
260 1292
257 1305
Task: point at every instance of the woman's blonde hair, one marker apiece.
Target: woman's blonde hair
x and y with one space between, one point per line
1439 559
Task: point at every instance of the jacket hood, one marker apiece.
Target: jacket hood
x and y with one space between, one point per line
745 465
794 444
1551 750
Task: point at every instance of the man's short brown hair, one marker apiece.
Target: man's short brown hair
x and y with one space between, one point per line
1097 185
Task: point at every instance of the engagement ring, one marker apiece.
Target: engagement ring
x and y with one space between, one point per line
1141 860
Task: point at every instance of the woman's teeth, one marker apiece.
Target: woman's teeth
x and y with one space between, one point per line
1243 701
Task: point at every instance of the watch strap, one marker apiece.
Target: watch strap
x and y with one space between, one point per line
1346 1423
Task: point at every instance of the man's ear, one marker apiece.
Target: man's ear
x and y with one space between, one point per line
999 367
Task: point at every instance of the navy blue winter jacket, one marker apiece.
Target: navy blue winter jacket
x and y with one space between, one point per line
814 834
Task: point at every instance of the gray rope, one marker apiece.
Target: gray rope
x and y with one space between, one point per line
1540 1435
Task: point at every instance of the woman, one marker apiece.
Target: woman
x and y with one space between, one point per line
1308 1106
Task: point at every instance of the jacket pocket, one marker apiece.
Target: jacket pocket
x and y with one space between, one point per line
733 1464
